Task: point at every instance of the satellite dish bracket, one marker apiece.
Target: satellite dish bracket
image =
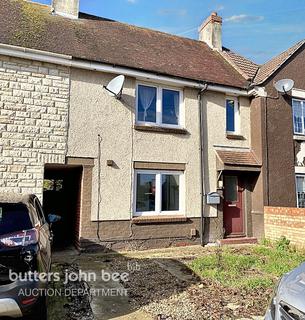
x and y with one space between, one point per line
118 96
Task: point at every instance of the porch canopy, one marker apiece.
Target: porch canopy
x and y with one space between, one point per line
233 160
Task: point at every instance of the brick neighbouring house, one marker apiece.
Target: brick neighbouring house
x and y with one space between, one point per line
54 109
280 136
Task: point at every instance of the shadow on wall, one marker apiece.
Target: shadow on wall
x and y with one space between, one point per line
149 282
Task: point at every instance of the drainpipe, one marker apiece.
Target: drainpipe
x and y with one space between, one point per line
202 170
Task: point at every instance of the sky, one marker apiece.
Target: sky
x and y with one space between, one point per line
257 29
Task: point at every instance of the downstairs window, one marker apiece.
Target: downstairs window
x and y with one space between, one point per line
158 193
300 184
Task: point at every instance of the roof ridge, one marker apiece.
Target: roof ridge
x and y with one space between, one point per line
278 61
246 67
240 55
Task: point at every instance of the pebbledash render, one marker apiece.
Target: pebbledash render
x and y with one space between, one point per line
176 160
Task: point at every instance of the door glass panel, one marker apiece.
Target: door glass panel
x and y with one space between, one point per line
146 192
231 189
170 192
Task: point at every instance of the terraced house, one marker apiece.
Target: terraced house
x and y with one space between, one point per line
177 159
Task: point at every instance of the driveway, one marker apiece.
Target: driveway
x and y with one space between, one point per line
158 285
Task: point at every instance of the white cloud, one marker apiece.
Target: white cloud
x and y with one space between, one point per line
185 32
132 1
220 7
244 18
175 12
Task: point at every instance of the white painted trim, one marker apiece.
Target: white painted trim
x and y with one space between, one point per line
299 170
299 137
258 92
228 91
298 93
158 194
68 61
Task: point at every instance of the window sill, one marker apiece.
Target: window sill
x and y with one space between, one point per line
158 219
234 136
299 137
160 129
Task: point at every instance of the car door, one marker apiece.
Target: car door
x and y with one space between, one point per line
44 237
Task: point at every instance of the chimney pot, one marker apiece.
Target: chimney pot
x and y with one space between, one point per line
210 31
66 8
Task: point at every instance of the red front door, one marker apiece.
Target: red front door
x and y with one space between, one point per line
233 219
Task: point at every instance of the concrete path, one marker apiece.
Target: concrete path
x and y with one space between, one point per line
110 299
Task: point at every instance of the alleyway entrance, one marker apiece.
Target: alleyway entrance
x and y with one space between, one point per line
61 196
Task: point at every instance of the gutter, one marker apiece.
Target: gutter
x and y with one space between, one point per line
69 61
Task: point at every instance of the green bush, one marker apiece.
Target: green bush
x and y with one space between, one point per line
283 244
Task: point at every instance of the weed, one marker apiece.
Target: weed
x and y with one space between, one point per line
250 267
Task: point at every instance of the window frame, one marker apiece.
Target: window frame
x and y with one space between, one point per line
298 175
303 115
158 197
159 106
236 115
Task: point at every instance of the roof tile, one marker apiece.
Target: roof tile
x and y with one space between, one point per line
237 158
274 64
96 39
247 68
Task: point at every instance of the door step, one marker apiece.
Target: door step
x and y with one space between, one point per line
234 241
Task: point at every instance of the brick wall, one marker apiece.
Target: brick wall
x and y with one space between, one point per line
34 101
288 222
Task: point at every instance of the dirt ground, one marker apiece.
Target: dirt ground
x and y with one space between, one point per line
161 286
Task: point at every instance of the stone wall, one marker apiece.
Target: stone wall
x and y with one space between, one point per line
34 102
288 222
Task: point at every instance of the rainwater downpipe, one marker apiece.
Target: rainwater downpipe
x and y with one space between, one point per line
202 164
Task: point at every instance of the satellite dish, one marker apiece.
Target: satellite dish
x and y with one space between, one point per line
283 86
115 86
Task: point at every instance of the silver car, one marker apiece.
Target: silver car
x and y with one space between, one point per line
288 302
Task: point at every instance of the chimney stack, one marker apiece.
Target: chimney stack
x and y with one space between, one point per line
66 8
210 31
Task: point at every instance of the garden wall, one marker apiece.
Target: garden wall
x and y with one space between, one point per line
288 222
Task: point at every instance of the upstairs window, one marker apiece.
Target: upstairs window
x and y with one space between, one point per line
232 115
159 106
298 111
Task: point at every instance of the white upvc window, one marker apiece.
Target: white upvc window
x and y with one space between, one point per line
232 115
300 189
161 106
298 112
158 193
